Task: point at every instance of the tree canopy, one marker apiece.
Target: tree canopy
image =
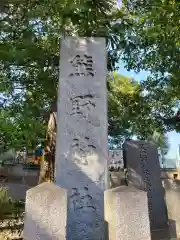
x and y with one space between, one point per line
29 60
133 112
29 57
153 44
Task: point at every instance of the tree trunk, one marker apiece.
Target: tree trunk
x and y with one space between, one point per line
48 162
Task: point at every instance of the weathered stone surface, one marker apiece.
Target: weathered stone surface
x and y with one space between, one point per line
117 179
82 147
142 162
172 196
126 214
45 213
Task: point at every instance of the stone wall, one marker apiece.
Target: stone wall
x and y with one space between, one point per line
18 180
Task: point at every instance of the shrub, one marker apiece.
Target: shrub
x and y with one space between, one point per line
5 202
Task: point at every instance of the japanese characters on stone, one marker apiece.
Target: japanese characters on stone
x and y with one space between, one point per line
81 199
82 148
82 104
82 65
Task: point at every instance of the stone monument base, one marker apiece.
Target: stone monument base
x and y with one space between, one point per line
126 214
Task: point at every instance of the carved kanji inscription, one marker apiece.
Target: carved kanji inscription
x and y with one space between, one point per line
83 65
82 148
81 200
82 104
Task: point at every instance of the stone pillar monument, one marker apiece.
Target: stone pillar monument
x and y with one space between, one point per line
82 145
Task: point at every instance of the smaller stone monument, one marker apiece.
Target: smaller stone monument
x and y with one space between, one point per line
45 213
142 163
126 214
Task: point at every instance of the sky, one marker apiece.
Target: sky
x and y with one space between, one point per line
173 137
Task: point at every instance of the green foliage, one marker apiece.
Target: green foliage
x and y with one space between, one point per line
29 60
8 207
10 214
153 44
161 141
132 112
18 208
5 202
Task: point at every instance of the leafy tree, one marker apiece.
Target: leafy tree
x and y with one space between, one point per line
161 140
29 59
132 111
152 44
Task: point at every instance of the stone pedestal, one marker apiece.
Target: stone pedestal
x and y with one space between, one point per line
82 146
172 196
126 214
45 213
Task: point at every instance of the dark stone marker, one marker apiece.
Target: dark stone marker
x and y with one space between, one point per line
143 167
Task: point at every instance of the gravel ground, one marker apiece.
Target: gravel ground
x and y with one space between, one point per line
11 229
